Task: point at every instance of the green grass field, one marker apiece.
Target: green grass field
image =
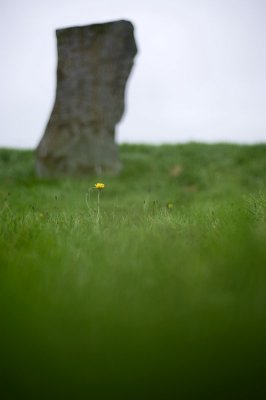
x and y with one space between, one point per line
164 298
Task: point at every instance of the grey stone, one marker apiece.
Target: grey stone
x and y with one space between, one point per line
94 63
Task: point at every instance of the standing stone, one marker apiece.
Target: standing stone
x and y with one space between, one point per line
94 63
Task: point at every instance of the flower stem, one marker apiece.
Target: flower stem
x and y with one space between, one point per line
98 212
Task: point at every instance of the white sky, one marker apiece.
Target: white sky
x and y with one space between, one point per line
200 73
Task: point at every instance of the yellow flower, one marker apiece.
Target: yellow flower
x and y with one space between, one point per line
170 205
99 185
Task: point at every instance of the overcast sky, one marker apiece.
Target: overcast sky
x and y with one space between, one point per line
200 73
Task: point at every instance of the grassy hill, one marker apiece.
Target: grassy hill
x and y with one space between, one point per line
164 297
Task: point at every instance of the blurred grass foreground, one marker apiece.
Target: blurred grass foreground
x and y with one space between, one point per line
163 298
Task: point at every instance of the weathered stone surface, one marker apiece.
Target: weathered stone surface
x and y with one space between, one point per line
94 63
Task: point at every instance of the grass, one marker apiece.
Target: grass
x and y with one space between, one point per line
153 302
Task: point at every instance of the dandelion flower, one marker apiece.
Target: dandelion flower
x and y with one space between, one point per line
99 185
